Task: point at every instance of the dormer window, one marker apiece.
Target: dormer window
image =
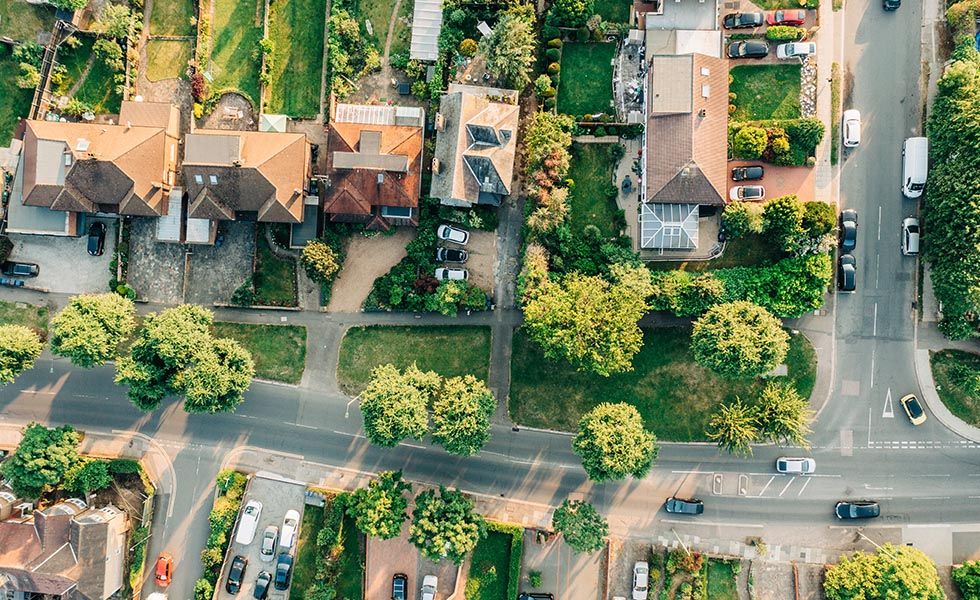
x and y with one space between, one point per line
199 180
213 179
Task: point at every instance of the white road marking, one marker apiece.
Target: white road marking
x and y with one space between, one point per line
304 426
872 384
787 486
805 483
932 498
879 222
700 522
687 472
767 485
353 435
889 410
874 326
877 268
407 445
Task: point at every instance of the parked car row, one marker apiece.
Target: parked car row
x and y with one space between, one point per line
274 539
845 509
448 233
760 49
751 20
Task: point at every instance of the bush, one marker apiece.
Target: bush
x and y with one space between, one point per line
468 47
582 34
785 33
750 143
741 218
549 32
554 68
320 261
599 131
554 43
550 103
553 54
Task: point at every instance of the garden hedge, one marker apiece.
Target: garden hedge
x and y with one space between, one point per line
516 534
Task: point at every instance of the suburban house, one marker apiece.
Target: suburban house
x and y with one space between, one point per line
476 140
69 550
67 170
374 165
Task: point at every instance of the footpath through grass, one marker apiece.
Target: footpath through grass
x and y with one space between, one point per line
586 78
279 351
449 350
766 92
237 31
675 396
296 29
28 315
592 201
957 376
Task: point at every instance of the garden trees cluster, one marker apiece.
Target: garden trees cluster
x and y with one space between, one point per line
89 330
20 347
967 579
890 572
395 406
570 13
28 56
509 49
581 526
739 340
780 415
41 460
350 55
175 353
380 508
444 525
613 443
779 141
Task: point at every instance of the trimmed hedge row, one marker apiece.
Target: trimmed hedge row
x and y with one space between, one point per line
516 534
222 518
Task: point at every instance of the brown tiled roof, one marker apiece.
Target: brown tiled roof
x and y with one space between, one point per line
686 149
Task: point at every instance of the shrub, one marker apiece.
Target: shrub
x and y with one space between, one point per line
785 33
554 43
550 32
750 142
554 68
320 261
552 54
550 103
582 34
534 578
741 218
599 131
199 86
468 47
541 86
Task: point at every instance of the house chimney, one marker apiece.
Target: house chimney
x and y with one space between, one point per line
702 113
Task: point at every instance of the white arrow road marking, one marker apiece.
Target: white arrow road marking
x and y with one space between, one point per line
889 410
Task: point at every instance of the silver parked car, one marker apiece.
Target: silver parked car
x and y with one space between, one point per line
452 234
747 192
796 466
910 236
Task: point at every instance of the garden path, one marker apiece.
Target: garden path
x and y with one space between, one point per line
386 69
81 78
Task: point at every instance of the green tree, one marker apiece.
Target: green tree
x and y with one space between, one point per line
70 4
461 415
320 261
87 475
444 525
890 572
967 579
783 416
546 142
742 218
782 220
684 293
394 404
41 459
509 50
734 427
613 443
589 321
750 142
110 52
28 52
581 525
114 21
572 13
20 348
203 589
739 340
219 378
29 76
380 509
89 330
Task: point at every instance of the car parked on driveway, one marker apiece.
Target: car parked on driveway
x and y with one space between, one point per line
19 269
794 17
399 586
747 192
848 229
913 409
443 274
236 573
290 526
96 239
857 509
284 571
262 585
748 173
795 466
691 506
269 538
851 128
452 234
451 255
748 49
248 522
743 20
430 583
641 580
847 273
164 571
798 50
910 236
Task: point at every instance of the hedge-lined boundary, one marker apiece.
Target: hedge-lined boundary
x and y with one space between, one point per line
516 533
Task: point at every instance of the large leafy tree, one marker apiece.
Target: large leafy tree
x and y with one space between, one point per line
461 415
509 50
890 572
395 404
175 353
782 220
783 416
379 509
572 13
319 260
41 459
967 579
613 443
444 525
88 475
20 348
583 528
114 21
89 330
589 321
734 427
738 340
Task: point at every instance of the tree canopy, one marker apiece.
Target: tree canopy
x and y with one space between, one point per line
571 13
461 415
613 443
20 347
890 572
89 330
509 49
444 525
583 528
380 509
395 404
739 340
967 579
783 416
87 475
319 260
734 427
41 459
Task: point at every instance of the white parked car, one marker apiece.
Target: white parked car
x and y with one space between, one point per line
747 192
796 466
796 50
248 522
430 583
910 236
268 549
290 525
443 274
851 128
452 234
641 580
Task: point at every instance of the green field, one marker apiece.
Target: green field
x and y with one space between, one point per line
675 396
721 580
275 278
235 63
957 376
378 12
296 29
172 17
167 59
592 171
97 86
448 350
20 313
765 92
586 78
279 351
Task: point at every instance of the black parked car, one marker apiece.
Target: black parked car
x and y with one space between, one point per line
857 509
746 20
847 273
750 173
19 269
96 239
891 4
691 506
399 587
748 49
262 585
536 596
284 571
848 229
236 574
451 255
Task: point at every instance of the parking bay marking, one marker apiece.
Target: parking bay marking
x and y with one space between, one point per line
805 483
767 485
786 487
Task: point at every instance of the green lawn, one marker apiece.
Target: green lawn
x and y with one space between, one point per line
402 35
172 17
592 170
489 566
296 28
586 78
721 580
22 21
20 313
351 572
167 59
74 60
275 278
379 13
237 30
279 351
15 103
747 251
448 350
98 89
766 92
675 396
306 556
614 11
957 376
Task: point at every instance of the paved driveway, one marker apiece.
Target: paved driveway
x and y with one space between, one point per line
384 559
779 181
567 575
66 266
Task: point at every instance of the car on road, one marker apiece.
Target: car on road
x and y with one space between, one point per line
452 234
451 255
269 538
913 409
536 596
891 4
290 526
682 506
430 583
847 273
748 173
799 50
19 269
399 586
163 573
236 573
794 17
284 571
910 236
443 273
857 509
851 128
248 522
848 229
795 466
262 585
641 580
747 192
96 239
748 49
743 20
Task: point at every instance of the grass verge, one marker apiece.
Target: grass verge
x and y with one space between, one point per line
306 558
351 573
495 566
675 396
28 315
835 83
235 61
957 374
172 17
586 78
593 201
279 351
167 59
296 29
766 92
448 350
721 580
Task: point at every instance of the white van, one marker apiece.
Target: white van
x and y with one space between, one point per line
915 166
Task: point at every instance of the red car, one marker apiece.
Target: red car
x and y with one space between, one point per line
786 17
164 571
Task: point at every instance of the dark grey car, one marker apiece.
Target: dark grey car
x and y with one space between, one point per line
451 255
857 509
682 506
848 229
748 49
746 20
847 273
19 269
749 173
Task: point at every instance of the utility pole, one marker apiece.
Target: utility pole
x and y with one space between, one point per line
683 545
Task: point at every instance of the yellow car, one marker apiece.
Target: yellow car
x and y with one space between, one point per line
913 409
